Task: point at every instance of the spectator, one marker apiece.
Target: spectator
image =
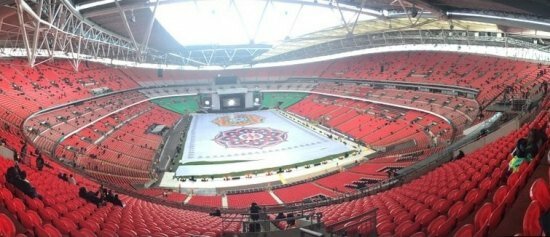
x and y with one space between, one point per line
12 174
520 155
39 162
72 180
216 212
254 211
18 179
117 202
290 219
460 155
280 216
64 177
90 196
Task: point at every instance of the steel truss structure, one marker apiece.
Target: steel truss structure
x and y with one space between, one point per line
409 37
50 26
48 29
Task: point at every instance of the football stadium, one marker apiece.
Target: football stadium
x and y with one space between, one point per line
169 118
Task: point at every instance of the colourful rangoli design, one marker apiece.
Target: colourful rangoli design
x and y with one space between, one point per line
250 137
234 120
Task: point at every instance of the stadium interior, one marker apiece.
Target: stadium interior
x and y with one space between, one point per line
168 118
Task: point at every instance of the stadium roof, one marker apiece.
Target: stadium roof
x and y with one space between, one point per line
255 31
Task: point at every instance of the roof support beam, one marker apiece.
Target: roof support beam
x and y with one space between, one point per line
343 18
145 42
358 15
295 20
36 33
261 19
128 29
23 29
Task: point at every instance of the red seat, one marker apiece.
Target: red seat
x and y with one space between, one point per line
126 233
456 195
425 217
15 205
64 225
406 229
475 196
7 228
540 191
89 224
500 195
512 179
48 214
442 205
496 216
385 227
106 233
48 231
418 234
460 210
531 223
435 224
33 203
482 215
82 233
5 195
29 219
465 231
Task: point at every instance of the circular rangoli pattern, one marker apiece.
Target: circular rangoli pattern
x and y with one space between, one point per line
250 137
238 120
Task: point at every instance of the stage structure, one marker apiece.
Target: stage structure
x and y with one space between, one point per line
230 100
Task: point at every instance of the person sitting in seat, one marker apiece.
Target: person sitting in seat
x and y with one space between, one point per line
460 155
12 174
117 202
72 180
25 186
39 162
279 217
89 196
216 212
520 155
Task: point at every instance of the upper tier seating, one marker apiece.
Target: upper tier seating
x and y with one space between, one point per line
244 200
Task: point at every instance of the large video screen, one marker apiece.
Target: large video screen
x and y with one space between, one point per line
232 101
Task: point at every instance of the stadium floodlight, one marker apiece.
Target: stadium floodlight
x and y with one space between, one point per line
231 102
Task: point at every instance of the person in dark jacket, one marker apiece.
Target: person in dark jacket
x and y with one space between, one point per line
254 211
291 221
39 162
116 201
